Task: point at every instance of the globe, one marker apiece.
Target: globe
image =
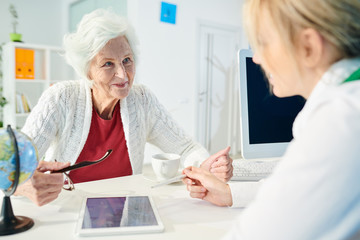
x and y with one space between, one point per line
18 161
28 158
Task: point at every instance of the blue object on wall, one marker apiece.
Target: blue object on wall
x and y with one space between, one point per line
168 13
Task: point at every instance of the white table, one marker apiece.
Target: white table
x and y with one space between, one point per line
183 217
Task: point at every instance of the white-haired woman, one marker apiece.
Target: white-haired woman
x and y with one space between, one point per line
310 48
80 120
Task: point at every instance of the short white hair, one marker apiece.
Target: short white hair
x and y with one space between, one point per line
94 31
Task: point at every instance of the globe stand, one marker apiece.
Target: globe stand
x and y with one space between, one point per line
9 223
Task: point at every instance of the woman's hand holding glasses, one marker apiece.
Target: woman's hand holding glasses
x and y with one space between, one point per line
43 188
69 185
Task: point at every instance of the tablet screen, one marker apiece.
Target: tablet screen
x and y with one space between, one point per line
108 212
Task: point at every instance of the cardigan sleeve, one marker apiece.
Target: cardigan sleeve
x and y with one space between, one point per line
165 133
43 122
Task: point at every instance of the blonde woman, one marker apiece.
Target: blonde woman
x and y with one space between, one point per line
310 48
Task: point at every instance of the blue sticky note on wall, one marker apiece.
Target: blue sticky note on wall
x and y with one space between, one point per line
168 13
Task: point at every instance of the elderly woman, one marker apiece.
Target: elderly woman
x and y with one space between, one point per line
311 48
80 120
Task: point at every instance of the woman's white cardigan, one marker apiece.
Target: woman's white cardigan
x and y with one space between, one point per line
60 122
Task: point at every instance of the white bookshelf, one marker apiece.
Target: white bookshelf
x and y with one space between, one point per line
49 68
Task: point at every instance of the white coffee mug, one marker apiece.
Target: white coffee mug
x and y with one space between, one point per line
165 165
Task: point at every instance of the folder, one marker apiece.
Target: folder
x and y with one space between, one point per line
19 63
24 63
29 61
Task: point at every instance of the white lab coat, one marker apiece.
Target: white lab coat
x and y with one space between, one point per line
314 191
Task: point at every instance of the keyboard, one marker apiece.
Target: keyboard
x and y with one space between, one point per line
252 170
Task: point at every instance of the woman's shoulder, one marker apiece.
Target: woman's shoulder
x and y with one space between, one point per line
61 88
141 96
140 91
347 94
66 85
340 101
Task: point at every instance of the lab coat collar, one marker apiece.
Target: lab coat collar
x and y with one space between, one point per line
333 77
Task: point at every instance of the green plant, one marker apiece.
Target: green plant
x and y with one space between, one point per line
15 16
3 100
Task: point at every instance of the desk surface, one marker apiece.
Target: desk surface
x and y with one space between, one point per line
183 217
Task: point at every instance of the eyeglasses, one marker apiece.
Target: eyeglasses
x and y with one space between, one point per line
69 185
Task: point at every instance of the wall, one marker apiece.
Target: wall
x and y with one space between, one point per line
169 60
40 21
169 53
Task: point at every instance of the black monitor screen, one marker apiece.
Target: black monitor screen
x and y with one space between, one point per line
270 118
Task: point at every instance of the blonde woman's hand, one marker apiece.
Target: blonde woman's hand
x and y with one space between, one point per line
204 185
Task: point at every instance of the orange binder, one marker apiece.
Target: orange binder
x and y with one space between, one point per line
19 63
29 60
24 63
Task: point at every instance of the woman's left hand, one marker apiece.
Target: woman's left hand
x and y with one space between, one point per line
220 165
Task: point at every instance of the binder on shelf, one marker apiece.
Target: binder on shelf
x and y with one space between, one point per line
19 106
25 103
22 104
29 60
45 66
24 63
19 60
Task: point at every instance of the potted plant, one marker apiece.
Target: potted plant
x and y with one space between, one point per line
14 36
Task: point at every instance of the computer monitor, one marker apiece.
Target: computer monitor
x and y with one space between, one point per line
265 120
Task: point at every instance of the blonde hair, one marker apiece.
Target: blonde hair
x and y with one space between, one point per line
338 21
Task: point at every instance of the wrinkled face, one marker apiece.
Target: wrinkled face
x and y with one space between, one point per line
274 58
113 70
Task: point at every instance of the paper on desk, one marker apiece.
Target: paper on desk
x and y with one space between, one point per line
168 181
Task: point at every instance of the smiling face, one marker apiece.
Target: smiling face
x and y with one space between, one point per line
112 71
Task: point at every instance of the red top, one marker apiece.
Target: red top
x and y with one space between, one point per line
104 135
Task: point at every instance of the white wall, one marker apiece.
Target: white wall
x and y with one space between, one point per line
169 61
169 53
40 21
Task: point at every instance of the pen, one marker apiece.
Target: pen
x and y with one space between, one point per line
168 181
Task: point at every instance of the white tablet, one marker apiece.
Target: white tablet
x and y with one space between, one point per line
118 215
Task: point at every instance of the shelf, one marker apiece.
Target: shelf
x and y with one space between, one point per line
49 67
22 114
31 80
55 81
36 46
